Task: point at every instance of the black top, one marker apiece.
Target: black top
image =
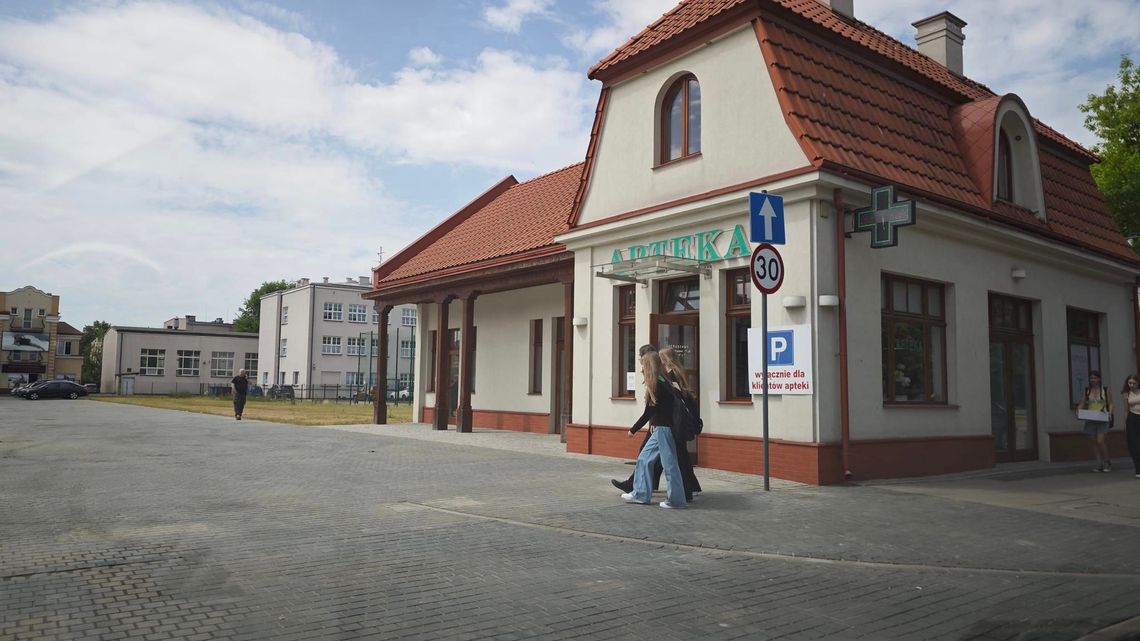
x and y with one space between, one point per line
662 412
241 384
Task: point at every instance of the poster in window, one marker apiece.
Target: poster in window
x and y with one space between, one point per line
24 342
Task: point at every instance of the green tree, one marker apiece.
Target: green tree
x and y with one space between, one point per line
91 348
249 316
1114 117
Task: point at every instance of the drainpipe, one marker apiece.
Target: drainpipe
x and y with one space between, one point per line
841 286
1136 321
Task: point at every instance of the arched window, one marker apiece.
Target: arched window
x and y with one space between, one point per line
681 119
1004 168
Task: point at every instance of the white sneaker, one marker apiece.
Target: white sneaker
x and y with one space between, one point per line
629 498
669 506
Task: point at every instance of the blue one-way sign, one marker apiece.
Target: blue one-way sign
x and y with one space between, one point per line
766 212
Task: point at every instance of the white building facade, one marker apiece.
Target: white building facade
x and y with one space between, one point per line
951 273
324 335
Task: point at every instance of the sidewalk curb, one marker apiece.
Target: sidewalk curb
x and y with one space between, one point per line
1127 630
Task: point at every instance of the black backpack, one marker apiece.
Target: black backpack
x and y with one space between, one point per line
687 421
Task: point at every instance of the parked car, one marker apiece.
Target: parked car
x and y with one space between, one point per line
280 391
15 391
92 388
54 389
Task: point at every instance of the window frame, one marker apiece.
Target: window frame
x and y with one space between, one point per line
159 356
220 358
192 356
357 313
330 346
333 312
678 86
354 346
407 348
285 315
625 316
1092 320
534 362
251 364
732 311
927 321
408 317
284 347
1004 189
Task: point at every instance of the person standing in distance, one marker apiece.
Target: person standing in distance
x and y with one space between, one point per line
240 387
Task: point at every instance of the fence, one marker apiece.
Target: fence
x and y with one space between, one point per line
314 393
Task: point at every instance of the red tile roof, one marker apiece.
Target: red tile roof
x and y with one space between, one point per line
521 220
64 328
860 100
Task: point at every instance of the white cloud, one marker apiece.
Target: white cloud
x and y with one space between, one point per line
424 57
623 19
227 152
1052 57
509 17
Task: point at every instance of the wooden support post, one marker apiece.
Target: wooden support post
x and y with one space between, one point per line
380 402
466 364
442 369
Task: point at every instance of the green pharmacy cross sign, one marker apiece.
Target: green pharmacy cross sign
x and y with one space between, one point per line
884 217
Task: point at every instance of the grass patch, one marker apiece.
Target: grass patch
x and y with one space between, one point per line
299 413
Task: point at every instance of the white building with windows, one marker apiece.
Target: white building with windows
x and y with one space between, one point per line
951 272
184 356
323 334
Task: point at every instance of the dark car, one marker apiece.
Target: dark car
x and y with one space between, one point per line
53 389
92 388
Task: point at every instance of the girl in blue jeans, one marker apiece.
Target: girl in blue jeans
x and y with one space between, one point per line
661 445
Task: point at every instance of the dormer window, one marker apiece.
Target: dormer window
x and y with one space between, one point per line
681 119
1017 166
1004 168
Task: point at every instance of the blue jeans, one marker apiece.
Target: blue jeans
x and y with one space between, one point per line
660 445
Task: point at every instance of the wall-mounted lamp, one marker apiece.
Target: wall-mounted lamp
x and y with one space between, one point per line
828 300
1017 273
579 321
794 301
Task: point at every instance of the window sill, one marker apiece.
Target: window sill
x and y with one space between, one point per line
670 163
734 401
623 398
534 393
920 406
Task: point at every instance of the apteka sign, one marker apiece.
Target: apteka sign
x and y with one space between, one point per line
789 360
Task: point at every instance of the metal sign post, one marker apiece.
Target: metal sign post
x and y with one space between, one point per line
767 276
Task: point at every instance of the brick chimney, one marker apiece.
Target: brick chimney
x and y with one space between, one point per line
940 37
842 7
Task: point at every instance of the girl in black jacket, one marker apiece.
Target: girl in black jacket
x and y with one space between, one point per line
660 446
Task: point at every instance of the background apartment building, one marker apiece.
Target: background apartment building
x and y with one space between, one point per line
34 343
184 356
324 335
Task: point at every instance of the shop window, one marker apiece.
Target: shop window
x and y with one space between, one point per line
432 347
681 120
152 362
626 319
221 364
737 319
914 341
535 386
1084 350
189 362
681 296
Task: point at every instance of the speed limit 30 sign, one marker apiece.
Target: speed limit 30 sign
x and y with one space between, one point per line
767 268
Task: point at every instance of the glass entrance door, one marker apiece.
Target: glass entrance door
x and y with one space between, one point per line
1013 419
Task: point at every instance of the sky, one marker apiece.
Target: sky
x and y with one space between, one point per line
164 158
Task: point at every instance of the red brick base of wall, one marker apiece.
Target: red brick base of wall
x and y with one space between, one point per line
814 463
499 420
1066 447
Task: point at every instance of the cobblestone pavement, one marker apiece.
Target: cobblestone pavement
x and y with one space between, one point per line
125 522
